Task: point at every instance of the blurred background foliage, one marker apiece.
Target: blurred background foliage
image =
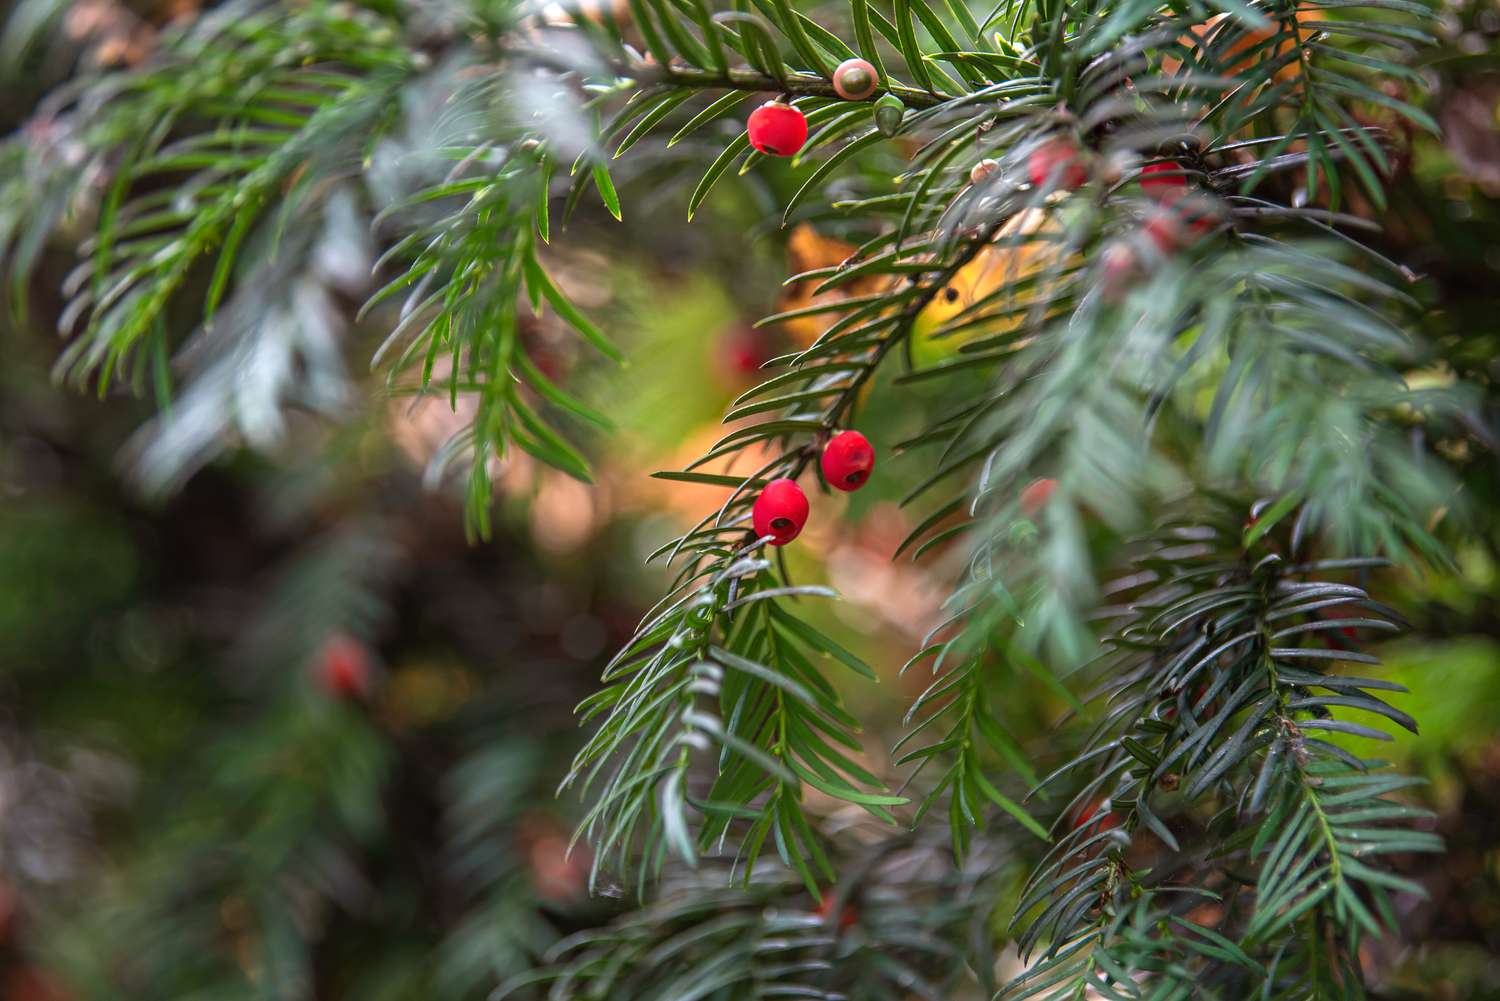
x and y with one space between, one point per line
188 807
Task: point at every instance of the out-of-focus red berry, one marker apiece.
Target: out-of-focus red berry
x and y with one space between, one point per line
32 983
1118 266
1163 181
1034 495
1057 163
741 353
848 915
344 668
1164 230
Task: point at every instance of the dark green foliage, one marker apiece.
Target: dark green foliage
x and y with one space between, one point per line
1213 742
896 930
759 702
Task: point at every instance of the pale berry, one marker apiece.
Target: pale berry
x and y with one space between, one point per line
983 170
855 79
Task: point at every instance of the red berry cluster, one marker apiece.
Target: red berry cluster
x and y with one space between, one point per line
781 510
1180 218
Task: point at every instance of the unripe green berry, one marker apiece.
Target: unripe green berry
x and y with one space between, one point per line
888 114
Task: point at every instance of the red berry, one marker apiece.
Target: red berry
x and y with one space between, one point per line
1198 690
1091 816
1057 163
344 668
847 460
848 916
1163 181
742 352
780 511
1164 230
1200 214
1035 495
777 129
559 872
855 80
1179 225
1117 268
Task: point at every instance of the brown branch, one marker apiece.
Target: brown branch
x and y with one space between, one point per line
796 84
743 78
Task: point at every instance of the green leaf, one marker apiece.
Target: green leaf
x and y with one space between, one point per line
848 151
544 199
911 52
860 11
716 170
537 280
1010 806
606 187
718 107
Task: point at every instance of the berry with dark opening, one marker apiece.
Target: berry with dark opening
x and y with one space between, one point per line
1036 494
780 511
855 80
344 670
777 129
1057 163
1163 181
983 170
847 460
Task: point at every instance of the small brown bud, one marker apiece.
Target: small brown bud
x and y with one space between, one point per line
983 171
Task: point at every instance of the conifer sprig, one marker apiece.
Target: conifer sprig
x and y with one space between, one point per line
1077 343
1219 700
